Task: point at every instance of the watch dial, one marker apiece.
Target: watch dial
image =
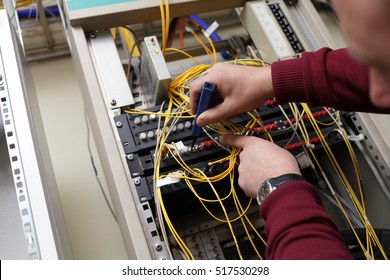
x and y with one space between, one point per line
265 190
268 188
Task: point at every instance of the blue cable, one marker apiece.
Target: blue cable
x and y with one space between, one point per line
32 13
213 36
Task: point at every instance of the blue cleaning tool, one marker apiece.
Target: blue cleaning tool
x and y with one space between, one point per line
203 104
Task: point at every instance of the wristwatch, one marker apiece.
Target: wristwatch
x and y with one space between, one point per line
271 184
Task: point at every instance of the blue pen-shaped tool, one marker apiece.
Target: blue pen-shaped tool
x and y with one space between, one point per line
203 104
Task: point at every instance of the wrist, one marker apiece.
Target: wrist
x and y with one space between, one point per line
289 196
272 183
266 83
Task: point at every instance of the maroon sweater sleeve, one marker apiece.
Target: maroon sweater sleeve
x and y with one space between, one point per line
297 226
324 78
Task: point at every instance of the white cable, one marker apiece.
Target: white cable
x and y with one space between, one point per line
295 127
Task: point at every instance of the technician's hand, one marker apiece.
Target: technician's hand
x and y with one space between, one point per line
240 89
259 160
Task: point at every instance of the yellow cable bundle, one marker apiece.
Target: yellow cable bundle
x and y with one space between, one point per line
165 18
178 107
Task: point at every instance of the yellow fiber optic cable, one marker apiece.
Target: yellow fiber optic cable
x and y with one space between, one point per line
130 42
225 213
354 199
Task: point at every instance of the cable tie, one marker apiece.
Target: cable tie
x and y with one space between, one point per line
189 29
180 145
168 180
356 138
210 30
310 146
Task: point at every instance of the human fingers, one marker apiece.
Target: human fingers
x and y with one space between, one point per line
275 160
215 114
238 141
195 89
214 76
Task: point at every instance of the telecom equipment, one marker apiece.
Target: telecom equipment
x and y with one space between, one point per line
158 180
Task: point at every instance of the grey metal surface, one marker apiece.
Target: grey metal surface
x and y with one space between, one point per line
45 25
311 25
12 241
20 199
376 127
35 189
155 76
107 16
376 145
112 79
114 166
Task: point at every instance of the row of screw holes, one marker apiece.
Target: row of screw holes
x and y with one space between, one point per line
14 158
19 184
149 220
376 157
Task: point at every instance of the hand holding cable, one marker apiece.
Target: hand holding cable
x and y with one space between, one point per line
233 96
259 160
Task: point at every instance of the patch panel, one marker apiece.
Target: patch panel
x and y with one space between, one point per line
140 152
286 28
138 133
274 30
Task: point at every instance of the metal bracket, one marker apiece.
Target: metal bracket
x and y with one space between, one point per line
45 25
290 2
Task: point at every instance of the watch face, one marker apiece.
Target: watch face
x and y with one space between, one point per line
267 188
264 191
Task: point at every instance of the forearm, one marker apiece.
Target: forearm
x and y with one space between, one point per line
297 227
324 78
